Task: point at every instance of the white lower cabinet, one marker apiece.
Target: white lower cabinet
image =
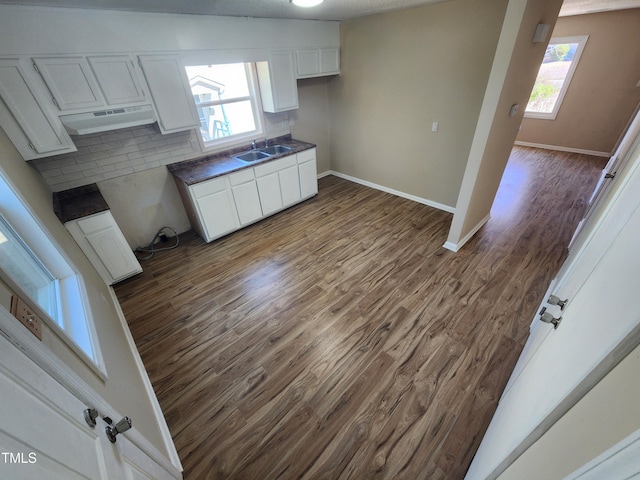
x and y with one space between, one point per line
245 195
103 243
270 194
278 184
308 173
215 208
224 204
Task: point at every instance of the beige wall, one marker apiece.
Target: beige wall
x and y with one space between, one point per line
603 93
310 122
124 389
606 415
512 78
400 72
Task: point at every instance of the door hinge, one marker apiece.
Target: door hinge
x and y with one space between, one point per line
610 175
547 317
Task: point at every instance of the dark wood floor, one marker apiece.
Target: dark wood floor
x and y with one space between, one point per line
339 339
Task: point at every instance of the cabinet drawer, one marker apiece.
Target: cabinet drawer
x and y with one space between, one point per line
241 177
306 155
274 166
210 186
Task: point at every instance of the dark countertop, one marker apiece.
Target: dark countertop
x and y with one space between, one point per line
221 163
78 202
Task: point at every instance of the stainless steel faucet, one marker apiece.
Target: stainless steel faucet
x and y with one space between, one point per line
253 144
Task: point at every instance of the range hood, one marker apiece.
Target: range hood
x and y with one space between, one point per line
105 120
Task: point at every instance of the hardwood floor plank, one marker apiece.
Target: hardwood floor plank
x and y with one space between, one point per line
339 340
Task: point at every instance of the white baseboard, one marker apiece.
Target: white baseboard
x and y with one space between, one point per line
398 193
564 149
454 247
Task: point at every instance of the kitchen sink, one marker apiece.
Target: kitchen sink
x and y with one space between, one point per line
275 149
252 156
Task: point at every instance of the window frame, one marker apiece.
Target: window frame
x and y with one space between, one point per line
256 104
75 325
581 40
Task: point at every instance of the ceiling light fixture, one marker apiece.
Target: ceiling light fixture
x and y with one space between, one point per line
306 3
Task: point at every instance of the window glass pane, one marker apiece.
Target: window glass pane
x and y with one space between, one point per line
17 260
226 120
224 101
218 82
552 75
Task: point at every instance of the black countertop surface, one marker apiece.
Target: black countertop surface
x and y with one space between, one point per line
78 202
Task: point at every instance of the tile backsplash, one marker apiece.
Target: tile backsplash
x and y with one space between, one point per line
106 155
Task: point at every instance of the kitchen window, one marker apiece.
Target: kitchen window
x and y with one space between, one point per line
559 64
226 101
33 267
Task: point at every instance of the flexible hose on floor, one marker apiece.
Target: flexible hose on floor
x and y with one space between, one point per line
152 249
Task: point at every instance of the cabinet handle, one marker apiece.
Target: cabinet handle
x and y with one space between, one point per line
32 147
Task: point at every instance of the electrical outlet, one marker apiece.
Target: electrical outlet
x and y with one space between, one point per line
27 317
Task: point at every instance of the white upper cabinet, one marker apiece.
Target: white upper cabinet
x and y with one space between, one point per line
277 79
317 62
118 79
78 83
34 130
70 82
171 93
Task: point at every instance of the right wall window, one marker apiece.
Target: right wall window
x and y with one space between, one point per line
559 63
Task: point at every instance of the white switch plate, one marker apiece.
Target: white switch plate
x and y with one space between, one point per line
514 109
434 127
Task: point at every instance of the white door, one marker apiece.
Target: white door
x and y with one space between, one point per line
43 434
616 164
600 325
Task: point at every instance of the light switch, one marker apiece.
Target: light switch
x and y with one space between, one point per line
434 127
514 109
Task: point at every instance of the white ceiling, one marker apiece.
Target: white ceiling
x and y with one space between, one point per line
329 10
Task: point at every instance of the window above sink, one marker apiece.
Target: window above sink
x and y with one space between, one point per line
227 103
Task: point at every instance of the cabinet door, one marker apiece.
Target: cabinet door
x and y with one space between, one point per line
269 190
289 185
70 81
308 62
308 173
277 79
216 210
245 195
108 246
33 130
170 91
117 78
247 202
329 61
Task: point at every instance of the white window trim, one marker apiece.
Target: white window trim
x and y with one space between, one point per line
237 140
73 294
581 40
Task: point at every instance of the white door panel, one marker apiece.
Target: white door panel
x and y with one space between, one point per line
43 434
